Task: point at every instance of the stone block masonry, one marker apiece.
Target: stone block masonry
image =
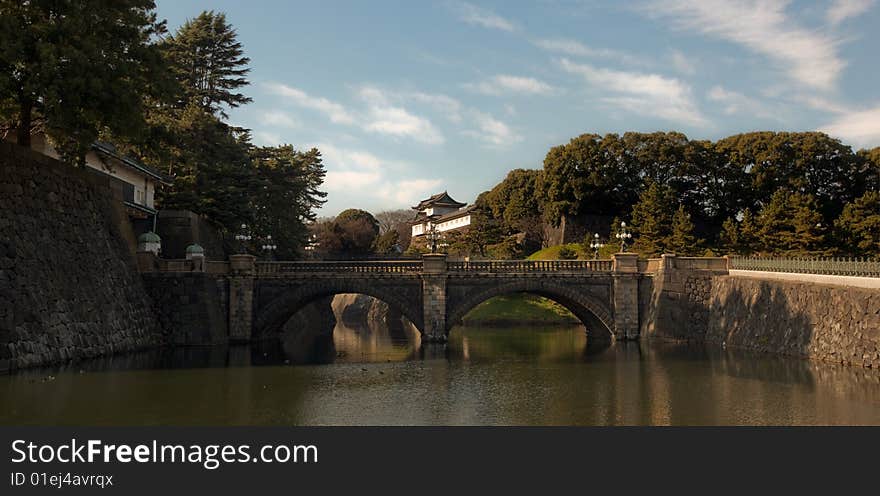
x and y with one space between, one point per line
69 287
821 322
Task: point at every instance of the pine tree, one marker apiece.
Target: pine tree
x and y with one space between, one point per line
682 240
858 226
748 234
209 62
652 220
730 237
790 223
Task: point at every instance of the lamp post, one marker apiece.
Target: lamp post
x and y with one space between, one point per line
269 247
243 237
433 236
596 245
623 235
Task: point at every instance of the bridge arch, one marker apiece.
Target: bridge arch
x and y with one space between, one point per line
272 315
590 310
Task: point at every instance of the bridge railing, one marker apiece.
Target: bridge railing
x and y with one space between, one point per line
360 267
506 266
841 266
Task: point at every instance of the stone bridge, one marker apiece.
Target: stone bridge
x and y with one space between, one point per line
618 299
435 293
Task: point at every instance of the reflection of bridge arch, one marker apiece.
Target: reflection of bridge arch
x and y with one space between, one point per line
283 302
594 314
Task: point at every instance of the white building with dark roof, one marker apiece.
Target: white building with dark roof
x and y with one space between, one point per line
443 212
137 181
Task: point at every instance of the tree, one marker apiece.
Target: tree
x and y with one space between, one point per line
729 238
73 69
790 224
388 243
810 163
351 234
484 230
682 240
652 219
285 194
397 220
589 174
213 170
567 253
748 234
208 61
858 226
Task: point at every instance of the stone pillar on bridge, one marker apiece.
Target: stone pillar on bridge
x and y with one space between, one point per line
242 269
626 296
434 297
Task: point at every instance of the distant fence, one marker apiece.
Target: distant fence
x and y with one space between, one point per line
370 267
494 266
841 266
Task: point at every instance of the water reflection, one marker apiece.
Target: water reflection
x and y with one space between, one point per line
496 376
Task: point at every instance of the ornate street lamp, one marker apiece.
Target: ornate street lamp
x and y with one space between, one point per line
623 235
269 247
596 245
434 237
243 237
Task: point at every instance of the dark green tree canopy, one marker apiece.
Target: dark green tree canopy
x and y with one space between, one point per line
76 69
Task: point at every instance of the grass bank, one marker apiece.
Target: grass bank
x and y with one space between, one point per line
519 309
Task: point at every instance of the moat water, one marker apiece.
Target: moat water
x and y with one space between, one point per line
484 376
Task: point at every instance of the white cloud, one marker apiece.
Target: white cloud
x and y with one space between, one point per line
575 48
385 118
360 175
840 10
682 63
504 83
447 105
409 191
479 16
733 102
645 94
266 138
334 111
492 131
861 129
763 27
278 118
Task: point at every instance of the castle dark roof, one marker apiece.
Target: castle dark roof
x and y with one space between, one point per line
440 199
110 150
422 218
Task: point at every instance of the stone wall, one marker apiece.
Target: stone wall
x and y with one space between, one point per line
69 287
674 300
190 306
180 228
829 323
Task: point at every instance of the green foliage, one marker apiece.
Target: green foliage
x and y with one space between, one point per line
729 239
285 194
388 243
566 253
76 69
209 63
652 220
790 224
682 240
352 233
858 227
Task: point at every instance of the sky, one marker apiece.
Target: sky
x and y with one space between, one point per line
405 99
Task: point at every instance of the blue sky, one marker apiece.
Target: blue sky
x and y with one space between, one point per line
408 98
